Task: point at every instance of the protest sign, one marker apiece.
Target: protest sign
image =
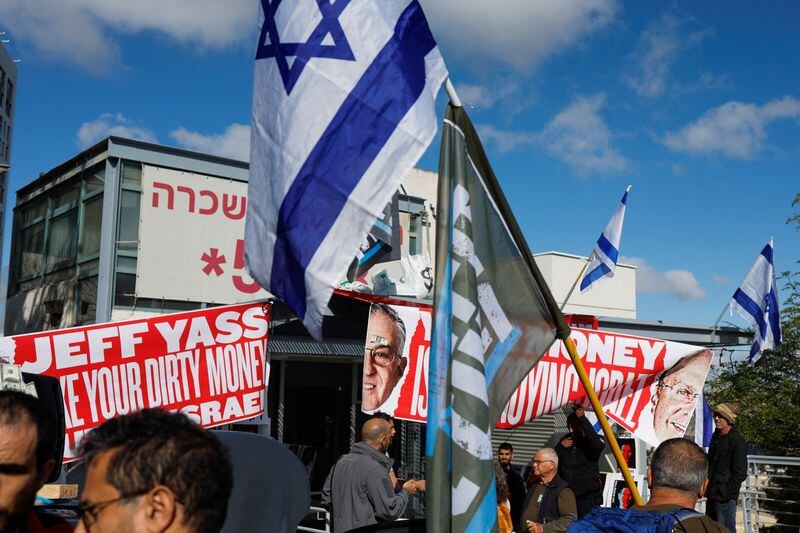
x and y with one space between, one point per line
398 337
191 238
617 494
648 386
209 364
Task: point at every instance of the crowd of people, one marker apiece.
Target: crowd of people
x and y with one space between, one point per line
159 472
565 489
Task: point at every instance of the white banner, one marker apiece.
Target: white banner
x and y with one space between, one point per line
191 239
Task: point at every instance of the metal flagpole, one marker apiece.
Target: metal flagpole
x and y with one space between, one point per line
451 92
601 416
575 283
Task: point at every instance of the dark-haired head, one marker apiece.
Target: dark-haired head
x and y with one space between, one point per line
154 448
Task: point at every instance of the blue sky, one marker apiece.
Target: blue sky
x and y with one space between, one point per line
697 106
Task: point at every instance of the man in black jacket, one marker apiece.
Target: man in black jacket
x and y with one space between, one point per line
579 452
505 454
727 467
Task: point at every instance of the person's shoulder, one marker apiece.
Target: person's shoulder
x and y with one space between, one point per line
40 521
701 524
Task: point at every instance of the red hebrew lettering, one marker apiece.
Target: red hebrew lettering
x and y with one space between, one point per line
247 287
170 194
190 194
229 208
214 202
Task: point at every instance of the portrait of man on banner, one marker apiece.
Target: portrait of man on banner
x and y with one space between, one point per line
384 360
673 397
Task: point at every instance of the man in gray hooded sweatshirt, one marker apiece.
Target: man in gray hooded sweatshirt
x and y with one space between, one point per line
359 489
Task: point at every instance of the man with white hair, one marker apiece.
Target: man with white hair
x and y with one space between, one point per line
550 506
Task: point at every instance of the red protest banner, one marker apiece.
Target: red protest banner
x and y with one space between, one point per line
648 386
210 364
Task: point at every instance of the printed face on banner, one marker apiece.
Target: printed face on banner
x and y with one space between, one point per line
676 392
209 364
396 351
191 239
648 386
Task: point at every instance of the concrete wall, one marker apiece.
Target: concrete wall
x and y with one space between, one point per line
615 297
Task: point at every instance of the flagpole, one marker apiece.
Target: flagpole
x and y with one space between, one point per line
575 283
601 416
451 92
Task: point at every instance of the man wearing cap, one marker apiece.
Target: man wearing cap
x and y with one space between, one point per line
727 467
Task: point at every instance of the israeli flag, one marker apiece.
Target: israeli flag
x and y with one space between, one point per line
703 423
606 251
343 107
756 300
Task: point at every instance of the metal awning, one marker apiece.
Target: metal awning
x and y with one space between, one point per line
304 347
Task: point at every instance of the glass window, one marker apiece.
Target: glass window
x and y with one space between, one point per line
95 181
128 236
66 197
61 241
31 259
126 263
131 174
124 289
92 221
33 212
87 301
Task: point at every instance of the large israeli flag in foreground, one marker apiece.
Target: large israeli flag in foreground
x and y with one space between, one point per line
606 251
756 300
343 107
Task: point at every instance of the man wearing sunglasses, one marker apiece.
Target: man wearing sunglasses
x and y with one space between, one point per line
154 471
384 363
27 446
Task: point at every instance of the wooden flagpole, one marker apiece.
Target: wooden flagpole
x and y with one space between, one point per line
575 283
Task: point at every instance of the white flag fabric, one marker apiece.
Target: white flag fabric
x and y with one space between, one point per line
756 300
343 107
606 251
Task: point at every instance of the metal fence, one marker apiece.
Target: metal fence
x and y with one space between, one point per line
771 495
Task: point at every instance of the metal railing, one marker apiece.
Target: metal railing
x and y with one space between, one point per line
322 515
771 494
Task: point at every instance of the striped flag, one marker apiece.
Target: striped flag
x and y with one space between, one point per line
606 251
494 319
703 423
756 300
343 107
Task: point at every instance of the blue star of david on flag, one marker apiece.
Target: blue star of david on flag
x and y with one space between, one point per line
329 29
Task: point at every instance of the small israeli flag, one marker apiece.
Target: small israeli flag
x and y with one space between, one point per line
343 107
756 300
606 251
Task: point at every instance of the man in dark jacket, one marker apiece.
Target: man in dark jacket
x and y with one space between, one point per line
578 454
516 488
727 467
359 488
550 504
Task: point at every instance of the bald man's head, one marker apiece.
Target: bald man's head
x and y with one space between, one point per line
375 432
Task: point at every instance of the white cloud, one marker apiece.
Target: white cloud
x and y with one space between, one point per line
580 137
517 33
679 283
720 280
657 50
507 140
233 143
111 124
734 129
82 32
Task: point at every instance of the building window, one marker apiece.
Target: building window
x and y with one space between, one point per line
9 98
32 255
92 223
128 235
87 301
61 241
